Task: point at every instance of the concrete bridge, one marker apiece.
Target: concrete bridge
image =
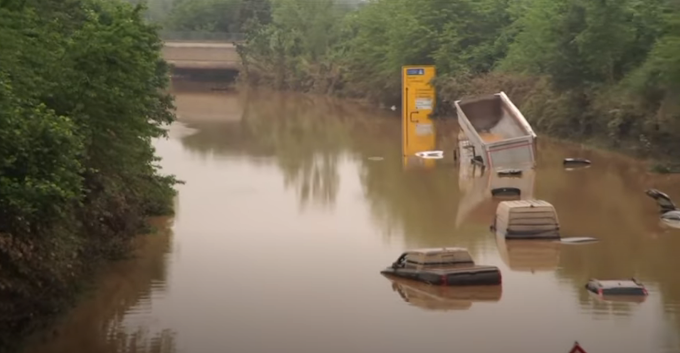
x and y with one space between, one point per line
202 50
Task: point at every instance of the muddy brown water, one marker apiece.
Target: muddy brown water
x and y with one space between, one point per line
285 221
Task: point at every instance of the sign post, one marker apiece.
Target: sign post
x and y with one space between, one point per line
418 101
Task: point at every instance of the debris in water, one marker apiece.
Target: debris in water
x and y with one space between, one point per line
664 201
375 158
671 219
430 154
671 215
576 161
578 240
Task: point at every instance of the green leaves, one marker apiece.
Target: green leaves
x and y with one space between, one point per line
83 90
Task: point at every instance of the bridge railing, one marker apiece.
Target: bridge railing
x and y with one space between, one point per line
200 36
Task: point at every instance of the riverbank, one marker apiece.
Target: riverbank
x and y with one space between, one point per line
81 98
616 88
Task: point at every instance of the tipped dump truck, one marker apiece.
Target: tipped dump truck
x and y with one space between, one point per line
499 136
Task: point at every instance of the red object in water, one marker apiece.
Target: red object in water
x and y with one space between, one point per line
577 348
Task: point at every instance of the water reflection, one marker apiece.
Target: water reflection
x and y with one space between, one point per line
100 324
529 255
442 298
306 143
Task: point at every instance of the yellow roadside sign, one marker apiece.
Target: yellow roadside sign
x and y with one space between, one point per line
418 101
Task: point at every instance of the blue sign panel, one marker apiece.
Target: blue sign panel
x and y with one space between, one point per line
412 72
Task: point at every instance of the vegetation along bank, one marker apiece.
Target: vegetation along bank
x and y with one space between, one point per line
606 72
82 93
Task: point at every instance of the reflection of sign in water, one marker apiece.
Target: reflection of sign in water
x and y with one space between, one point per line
430 154
418 100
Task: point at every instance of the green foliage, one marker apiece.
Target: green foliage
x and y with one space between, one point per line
299 48
204 15
604 70
82 93
233 16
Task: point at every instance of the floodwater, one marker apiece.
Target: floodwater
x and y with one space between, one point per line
285 221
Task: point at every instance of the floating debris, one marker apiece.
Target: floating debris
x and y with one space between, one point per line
576 161
578 240
664 201
376 158
671 215
430 154
671 219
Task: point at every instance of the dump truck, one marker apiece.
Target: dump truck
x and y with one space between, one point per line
496 132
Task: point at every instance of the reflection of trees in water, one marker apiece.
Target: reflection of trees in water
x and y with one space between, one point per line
307 139
142 341
607 201
97 324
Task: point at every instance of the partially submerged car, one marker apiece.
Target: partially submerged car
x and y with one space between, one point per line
443 267
526 219
629 287
440 298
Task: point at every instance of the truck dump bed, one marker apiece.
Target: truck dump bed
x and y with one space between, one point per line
500 134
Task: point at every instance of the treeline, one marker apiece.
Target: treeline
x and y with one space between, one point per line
82 93
605 71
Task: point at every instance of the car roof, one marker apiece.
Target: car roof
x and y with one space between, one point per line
432 251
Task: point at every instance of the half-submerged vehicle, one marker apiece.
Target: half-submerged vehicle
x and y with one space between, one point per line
496 132
628 287
443 267
526 219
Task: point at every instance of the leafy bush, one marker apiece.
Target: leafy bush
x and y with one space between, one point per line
82 93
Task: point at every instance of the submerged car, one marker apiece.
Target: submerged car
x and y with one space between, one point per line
526 219
630 287
443 267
